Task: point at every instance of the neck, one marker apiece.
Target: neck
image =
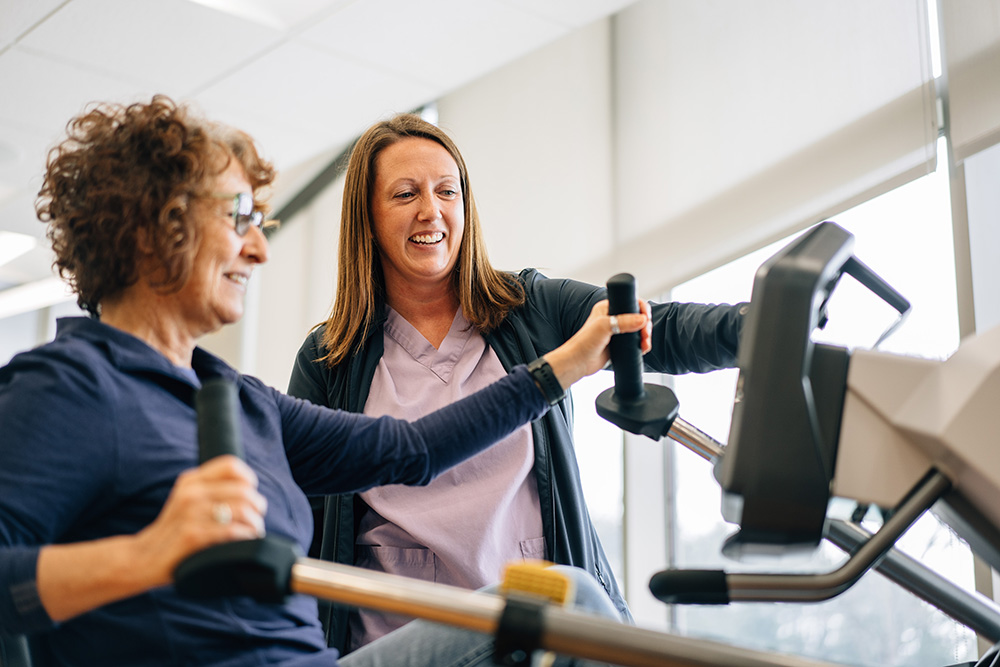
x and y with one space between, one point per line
430 311
147 317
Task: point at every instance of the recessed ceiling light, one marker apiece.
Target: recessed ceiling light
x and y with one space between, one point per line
14 245
33 296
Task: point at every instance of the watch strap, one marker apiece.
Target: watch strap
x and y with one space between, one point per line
546 380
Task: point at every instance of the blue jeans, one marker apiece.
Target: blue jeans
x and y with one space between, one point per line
427 644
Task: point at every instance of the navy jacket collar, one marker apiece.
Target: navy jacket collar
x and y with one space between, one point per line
132 355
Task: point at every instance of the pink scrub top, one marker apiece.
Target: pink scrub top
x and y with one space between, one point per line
473 519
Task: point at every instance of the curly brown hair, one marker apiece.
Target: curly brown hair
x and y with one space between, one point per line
118 189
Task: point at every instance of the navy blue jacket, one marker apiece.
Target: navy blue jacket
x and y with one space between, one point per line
96 426
686 338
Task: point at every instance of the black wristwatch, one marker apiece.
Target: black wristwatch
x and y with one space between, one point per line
546 380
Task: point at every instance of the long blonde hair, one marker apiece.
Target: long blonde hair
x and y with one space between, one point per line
486 295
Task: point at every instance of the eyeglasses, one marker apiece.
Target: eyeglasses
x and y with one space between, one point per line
244 214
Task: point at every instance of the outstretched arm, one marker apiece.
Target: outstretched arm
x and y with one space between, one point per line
339 452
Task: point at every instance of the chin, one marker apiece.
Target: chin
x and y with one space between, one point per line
227 317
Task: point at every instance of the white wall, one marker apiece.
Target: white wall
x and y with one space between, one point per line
536 138
296 286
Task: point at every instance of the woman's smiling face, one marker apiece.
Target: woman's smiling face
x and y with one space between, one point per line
215 292
418 212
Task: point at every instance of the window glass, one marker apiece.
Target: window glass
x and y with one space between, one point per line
904 236
599 453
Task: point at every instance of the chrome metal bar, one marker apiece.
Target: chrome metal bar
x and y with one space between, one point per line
973 610
816 587
696 440
377 590
564 631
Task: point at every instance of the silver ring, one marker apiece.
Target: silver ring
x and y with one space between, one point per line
222 513
614 325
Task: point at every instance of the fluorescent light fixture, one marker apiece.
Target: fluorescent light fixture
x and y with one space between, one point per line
13 245
33 296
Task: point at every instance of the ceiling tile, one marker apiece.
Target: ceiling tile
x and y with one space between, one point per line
304 77
20 15
446 47
22 156
43 94
168 44
328 96
18 213
281 14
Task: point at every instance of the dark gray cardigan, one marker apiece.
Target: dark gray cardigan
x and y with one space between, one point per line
686 338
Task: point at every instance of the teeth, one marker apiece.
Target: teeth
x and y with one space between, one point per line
427 238
236 277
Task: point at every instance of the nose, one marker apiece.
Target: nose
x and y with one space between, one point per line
430 208
255 247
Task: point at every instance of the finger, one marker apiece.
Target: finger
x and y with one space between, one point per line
646 337
629 322
644 308
234 520
236 493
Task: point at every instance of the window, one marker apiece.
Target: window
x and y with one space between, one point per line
599 452
875 622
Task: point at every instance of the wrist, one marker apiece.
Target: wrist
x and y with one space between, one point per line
546 380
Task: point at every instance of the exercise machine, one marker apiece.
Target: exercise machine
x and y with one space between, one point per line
813 422
523 619
810 422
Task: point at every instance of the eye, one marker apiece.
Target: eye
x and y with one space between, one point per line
403 195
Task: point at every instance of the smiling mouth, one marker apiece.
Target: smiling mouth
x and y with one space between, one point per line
427 239
238 278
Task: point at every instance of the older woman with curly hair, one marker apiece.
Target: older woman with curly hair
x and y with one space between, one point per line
154 218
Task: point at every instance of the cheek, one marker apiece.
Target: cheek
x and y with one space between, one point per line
456 221
383 225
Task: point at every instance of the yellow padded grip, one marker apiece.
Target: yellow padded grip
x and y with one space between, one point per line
536 577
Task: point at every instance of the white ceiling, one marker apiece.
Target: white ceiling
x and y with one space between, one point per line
304 77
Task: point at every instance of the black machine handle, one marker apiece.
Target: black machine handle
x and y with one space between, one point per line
649 409
645 409
626 357
218 422
259 568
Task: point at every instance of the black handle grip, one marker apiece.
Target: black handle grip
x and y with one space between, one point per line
690 587
260 568
626 356
218 421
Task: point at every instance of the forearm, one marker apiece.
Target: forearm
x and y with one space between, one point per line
567 366
692 337
73 579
